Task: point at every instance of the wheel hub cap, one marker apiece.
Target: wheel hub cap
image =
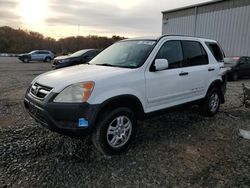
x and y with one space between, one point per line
214 102
119 131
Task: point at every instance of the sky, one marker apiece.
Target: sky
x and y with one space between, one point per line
62 18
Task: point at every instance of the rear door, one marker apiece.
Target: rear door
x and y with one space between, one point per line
197 69
42 55
38 56
217 57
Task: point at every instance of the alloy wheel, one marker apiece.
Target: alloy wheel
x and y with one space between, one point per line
119 131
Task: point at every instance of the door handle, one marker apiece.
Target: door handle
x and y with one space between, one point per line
183 73
211 69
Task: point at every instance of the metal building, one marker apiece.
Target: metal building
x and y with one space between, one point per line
227 21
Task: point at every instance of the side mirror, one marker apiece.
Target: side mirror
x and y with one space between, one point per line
161 64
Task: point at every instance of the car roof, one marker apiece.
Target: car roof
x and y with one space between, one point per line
44 50
143 38
40 51
170 36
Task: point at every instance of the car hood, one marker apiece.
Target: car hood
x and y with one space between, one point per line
62 57
23 54
59 79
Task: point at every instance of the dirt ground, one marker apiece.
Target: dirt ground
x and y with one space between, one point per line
179 149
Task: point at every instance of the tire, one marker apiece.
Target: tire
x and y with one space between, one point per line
26 60
235 76
211 103
47 59
115 131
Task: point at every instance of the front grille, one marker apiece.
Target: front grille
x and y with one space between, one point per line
40 91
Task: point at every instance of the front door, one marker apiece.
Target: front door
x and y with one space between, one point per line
165 88
34 56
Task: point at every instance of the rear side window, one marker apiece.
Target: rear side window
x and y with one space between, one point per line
194 54
216 51
172 51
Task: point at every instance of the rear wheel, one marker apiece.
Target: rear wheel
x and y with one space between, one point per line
211 104
115 131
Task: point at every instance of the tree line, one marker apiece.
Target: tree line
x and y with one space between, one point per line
21 41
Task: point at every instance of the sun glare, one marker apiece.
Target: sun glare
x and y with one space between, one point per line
33 11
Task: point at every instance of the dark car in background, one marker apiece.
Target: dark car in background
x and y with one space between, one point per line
79 57
240 67
37 55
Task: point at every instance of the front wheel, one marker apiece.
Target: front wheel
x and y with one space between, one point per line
115 131
26 60
211 103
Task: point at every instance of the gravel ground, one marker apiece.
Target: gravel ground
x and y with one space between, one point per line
179 149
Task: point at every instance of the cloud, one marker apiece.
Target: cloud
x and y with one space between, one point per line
6 11
8 4
7 15
123 17
104 15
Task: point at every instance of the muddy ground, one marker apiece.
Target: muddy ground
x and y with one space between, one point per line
179 149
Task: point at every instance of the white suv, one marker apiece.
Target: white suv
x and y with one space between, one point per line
125 82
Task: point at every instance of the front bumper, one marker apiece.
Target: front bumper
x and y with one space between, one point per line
61 65
63 118
20 58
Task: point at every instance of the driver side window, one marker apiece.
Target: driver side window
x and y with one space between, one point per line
172 51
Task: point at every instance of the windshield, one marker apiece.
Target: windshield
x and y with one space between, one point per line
32 52
231 60
127 54
78 53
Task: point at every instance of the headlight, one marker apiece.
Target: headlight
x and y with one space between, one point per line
75 93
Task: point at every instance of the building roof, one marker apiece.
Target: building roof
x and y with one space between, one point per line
191 6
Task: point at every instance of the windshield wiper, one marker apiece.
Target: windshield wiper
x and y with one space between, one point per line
106 64
110 65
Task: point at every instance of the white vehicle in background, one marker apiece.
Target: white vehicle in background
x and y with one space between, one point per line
128 81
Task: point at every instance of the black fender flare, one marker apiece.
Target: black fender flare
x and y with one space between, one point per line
218 84
126 100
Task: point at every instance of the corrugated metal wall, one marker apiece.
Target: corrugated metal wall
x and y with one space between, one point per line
227 22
